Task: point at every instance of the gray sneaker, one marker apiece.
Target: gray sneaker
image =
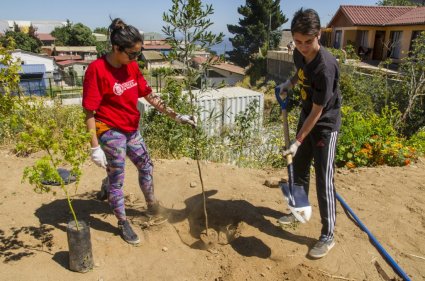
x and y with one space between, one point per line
127 233
287 219
321 248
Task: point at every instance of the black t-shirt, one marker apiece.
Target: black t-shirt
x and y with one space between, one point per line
319 84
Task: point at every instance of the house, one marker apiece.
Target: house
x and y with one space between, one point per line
72 71
87 53
377 32
159 45
226 73
28 58
31 79
220 72
46 39
154 59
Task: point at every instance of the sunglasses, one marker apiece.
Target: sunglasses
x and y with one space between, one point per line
133 55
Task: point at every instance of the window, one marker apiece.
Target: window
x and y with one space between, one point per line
395 45
338 36
363 38
415 34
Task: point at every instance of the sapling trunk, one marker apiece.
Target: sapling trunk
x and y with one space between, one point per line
70 206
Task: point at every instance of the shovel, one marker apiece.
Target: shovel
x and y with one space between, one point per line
294 194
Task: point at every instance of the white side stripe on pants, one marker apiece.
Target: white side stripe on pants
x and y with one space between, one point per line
330 195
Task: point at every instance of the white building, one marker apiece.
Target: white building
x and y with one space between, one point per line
219 107
33 58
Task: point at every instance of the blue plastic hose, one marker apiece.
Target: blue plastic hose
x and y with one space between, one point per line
375 242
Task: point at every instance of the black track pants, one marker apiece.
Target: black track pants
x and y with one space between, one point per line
319 146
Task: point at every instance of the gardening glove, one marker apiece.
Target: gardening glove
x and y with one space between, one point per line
285 86
98 157
292 148
186 119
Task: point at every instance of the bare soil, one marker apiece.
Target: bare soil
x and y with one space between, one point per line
244 241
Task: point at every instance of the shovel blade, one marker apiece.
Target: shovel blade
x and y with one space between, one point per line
297 201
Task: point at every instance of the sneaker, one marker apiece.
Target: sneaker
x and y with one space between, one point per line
102 195
127 233
321 248
287 219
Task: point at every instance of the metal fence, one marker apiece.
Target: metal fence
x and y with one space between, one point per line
68 87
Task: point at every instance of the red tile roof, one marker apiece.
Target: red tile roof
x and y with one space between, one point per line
67 57
199 60
415 16
45 37
229 67
70 62
382 15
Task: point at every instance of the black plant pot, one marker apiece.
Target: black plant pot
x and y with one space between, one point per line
80 250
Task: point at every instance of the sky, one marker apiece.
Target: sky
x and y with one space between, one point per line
146 15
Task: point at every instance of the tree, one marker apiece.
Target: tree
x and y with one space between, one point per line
186 27
101 30
74 35
259 28
413 77
395 3
26 41
102 47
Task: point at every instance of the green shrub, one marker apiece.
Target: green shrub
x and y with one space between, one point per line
372 140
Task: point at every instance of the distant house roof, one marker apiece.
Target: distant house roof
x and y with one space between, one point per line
45 37
152 55
85 49
380 15
64 58
229 67
19 51
156 45
199 60
72 62
32 68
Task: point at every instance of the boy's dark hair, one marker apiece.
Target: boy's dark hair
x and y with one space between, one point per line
123 35
306 22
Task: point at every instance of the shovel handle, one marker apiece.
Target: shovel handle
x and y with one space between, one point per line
283 102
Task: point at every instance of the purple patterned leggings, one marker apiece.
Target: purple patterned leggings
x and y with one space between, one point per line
116 146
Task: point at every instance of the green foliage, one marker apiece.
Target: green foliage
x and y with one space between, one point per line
413 83
101 30
189 20
259 26
418 141
9 84
257 70
164 137
23 41
395 3
59 132
351 52
371 140
74 35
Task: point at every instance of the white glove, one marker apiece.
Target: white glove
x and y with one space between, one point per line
98 157
186 119
292 148
285 86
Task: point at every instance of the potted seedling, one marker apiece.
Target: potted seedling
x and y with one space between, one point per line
57 133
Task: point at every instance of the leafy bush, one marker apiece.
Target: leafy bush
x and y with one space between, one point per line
164 137
371 140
